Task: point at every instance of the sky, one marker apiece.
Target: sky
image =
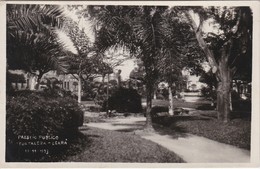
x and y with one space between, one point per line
126 68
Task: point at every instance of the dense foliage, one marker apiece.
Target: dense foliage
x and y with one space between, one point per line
228 51
32 43
38 114
124 100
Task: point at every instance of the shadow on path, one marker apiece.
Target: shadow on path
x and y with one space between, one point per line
191 148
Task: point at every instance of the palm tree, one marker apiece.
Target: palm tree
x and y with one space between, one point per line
32 43
86 63
180 50
154 34
136 28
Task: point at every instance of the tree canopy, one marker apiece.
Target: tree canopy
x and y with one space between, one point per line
166 39
229 52
32 43
154 34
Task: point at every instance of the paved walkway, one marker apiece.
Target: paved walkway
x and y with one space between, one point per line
194 149
191 148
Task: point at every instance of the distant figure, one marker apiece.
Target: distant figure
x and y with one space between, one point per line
118 74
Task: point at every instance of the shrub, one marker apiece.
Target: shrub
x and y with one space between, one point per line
242 105
37 114
15 78
235 96
209 93
165 93
159 96
157 109
124 100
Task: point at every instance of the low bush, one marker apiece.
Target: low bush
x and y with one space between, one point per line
124 100
160 96
45 93
207 92
157 109
38 114
242 105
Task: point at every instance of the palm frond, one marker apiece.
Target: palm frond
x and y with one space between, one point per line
31 52
33 18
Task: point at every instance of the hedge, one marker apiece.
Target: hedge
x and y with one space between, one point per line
36 114
124 100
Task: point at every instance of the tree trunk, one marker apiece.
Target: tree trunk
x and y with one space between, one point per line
28 83
16 85
39 77
238 87
170 100
219 100
79 89
108 79
103 79
224 103
230 100
31 83
224 73
198 32
149 92
224 89
154 96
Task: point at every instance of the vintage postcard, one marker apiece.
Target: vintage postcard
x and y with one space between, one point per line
129 84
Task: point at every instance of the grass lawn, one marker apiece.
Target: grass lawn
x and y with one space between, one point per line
237 132
200 104
111 146
204 123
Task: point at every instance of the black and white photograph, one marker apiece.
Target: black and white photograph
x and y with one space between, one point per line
130 83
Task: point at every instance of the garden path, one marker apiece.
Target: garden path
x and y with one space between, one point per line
192 148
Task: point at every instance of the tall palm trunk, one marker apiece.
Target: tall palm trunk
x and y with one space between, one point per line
31 82
103 79
149 94
108 79
154 96
79 88
170 100
39 77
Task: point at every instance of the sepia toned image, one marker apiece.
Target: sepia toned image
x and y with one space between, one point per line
114 83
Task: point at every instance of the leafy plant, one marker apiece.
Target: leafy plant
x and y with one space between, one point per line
37 114
32 43
124 100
